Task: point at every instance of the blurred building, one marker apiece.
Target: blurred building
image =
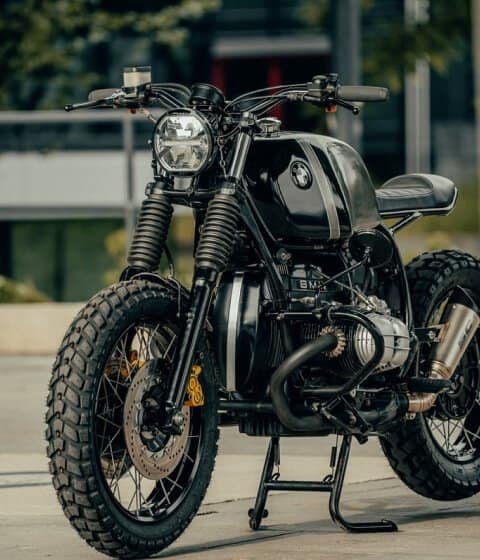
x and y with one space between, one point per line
63 187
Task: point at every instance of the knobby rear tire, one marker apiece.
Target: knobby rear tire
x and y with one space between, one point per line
411 451
77 477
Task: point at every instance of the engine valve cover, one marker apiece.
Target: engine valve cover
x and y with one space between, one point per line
396 340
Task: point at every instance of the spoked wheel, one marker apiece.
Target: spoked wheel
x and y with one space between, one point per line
129 489
146 479
438 453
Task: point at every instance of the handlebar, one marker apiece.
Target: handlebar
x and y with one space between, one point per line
322 91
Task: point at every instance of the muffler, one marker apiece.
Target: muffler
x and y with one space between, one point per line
460 321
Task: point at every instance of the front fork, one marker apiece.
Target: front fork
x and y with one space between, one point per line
212 255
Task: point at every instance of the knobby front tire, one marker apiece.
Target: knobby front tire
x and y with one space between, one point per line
87 474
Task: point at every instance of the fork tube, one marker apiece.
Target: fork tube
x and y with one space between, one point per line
213 253
196 316
240 156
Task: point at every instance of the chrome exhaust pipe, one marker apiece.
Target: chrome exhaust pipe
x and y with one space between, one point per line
460 322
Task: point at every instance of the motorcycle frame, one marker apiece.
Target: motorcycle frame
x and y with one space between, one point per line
200 300
266 246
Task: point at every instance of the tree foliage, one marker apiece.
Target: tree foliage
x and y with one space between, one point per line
395 45
48 41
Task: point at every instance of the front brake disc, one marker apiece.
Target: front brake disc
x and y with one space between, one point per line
152 465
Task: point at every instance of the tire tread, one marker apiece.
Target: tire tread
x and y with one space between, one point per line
69 425
407 451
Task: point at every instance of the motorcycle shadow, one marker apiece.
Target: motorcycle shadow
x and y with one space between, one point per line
293 515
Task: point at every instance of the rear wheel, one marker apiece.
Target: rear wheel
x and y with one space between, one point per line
128 489
438 453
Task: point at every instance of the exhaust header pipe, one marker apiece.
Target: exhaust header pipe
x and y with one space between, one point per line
460 323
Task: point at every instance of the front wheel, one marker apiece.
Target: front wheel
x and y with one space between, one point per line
438 453
127 489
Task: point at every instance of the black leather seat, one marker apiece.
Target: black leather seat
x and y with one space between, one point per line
428 194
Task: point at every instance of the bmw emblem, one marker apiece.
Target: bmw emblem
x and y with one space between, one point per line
301 175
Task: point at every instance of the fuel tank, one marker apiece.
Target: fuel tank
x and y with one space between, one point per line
310 187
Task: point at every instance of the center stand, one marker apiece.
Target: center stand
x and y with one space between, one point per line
332 483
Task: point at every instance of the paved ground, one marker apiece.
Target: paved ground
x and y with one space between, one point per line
33 527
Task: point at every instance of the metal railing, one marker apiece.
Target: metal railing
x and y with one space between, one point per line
124 118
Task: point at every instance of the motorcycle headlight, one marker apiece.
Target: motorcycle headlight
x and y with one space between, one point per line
183 142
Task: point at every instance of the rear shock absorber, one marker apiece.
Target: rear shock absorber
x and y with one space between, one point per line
217 236
150 233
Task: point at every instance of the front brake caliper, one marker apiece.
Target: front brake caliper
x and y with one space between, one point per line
122 367
195 396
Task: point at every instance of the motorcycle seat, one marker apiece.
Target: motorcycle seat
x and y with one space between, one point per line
416 192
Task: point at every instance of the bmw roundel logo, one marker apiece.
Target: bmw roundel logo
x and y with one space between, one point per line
301 175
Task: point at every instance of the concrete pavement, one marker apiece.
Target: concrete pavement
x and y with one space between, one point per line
298 528
32 525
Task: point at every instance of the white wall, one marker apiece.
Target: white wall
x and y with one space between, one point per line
34 328
69 179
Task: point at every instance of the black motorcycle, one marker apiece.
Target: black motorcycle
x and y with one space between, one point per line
301 321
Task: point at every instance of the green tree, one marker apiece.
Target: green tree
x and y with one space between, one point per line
45 43
396 45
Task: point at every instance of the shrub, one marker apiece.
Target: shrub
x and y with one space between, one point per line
12 291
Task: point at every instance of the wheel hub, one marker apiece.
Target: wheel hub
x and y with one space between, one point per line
460 399
153 461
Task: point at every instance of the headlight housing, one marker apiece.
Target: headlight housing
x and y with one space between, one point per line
183 142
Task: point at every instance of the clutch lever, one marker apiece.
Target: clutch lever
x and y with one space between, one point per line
105 102
87 105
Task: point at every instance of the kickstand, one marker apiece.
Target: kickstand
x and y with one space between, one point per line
331 483
258 512
382 526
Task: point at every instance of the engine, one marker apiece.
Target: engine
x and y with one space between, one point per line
248 343
356 345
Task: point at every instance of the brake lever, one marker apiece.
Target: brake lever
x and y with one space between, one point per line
330 101
346 105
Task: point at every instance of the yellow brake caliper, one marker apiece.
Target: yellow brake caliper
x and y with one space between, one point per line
195 396
124 370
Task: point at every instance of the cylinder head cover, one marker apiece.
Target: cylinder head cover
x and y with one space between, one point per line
396 338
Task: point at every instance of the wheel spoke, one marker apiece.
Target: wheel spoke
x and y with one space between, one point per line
113 389
108 421
187 456
110 441
167 497
174 482
465 432
167 351
140 496
474 435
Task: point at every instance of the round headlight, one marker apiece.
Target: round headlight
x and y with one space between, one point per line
183 142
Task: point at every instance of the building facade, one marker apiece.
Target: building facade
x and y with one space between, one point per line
63 185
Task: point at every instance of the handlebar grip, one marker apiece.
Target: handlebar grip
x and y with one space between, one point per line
98 94
363 93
